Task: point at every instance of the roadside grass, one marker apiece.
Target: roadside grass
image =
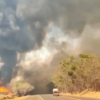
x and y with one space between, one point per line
86 93
16 98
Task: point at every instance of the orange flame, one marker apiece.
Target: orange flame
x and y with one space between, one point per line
5 90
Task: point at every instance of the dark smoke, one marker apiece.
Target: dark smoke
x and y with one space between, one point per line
66 14
13 39
90 43
6 70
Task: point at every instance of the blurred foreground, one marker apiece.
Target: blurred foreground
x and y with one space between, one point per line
86 93
61 97
4 97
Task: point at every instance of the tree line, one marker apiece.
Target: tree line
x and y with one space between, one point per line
78 74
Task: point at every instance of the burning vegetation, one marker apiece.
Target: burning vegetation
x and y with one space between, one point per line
3 89
5 93
18 89
47 28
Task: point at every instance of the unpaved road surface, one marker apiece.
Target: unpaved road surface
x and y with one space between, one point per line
51 97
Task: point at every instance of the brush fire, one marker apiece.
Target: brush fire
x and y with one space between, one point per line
6 93
3 89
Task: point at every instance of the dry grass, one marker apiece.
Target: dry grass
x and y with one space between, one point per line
16 98
19 98
91 94
85 94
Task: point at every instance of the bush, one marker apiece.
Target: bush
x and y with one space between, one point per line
22 88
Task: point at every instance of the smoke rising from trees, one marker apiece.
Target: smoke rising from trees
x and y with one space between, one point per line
24 27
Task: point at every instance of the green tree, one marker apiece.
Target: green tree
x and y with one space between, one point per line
76 75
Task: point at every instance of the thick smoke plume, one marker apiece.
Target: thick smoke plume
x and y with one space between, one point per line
24 27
